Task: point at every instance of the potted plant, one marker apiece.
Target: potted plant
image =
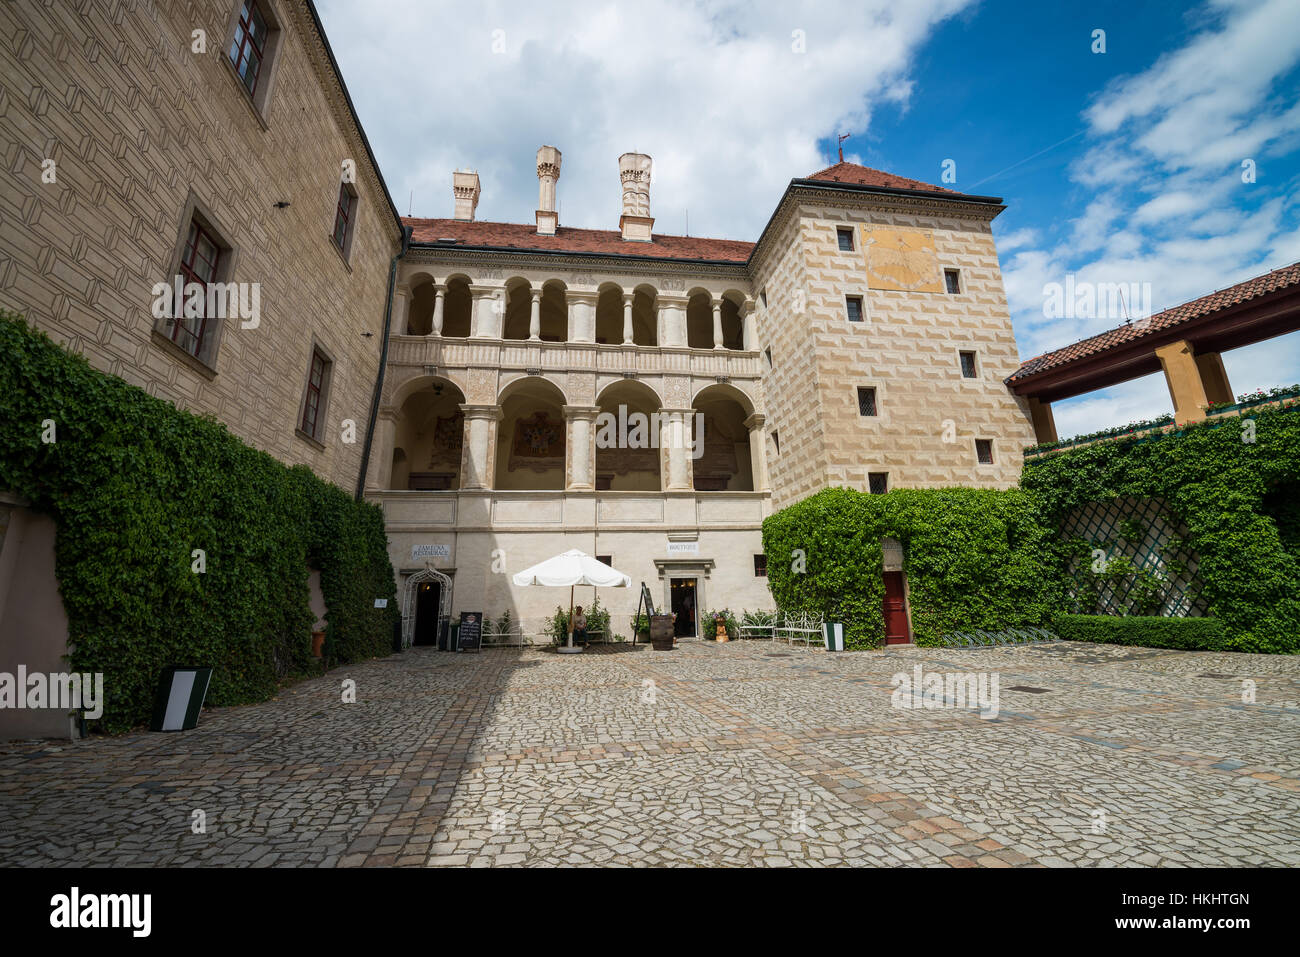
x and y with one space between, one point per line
641 627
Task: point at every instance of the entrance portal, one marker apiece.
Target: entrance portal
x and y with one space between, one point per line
684 607
895 608
428 603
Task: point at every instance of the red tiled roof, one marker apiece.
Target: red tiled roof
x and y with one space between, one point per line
608 242
843 172
1197 308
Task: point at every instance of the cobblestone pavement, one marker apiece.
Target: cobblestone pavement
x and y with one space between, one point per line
745 753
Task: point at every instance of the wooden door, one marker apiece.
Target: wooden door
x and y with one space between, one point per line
895 607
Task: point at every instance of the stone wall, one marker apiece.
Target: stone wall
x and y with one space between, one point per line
140 129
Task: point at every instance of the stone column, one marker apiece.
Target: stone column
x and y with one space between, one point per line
582 316
379 475
400 318
439 292
717 323
489 308
758 450
1040 413
1214 378
749 327
672 321
478 459
535 317
1184 380
627 318
675 448
579 447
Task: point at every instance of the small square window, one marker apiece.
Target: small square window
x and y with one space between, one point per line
776 442
854 306
866 400
768 352
878 482
952 279
607 559
984 451
313 407
968 365
844 236
604 483
760 566
762 294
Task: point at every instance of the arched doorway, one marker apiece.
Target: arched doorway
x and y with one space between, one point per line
428 438
426 607
724 464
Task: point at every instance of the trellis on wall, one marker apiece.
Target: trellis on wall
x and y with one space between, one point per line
1132 557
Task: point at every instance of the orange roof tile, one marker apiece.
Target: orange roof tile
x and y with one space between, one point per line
610 242
843 172
1197 308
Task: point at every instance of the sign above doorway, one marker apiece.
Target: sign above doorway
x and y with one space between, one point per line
430 551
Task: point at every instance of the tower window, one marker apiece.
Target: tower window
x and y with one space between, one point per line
854 306
760 566
984 451
952 279
866 400
968 365
878 482
844 236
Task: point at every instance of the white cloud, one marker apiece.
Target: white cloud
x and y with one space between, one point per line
1168 206
713 91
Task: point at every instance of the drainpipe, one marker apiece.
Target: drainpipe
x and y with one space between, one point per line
383 363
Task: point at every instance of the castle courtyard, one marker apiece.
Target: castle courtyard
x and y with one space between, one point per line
746 753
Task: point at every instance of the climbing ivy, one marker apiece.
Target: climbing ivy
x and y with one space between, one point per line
1231 482
137 487
974 558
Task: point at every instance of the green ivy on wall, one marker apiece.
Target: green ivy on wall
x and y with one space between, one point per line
1231 482
136 487
974 559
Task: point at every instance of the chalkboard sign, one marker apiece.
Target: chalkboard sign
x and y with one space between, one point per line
470 637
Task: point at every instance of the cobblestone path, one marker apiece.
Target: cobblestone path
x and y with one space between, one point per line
739 754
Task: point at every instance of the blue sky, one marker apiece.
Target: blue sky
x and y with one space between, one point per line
1122 166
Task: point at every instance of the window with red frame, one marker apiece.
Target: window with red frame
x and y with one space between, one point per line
315 393
343 217
248 48
199 263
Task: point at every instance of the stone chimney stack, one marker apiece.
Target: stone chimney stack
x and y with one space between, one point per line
464 186
548 172
636 221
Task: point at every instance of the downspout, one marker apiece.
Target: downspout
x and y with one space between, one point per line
383 363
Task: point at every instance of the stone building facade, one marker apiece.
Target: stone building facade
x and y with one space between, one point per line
213 140
861 342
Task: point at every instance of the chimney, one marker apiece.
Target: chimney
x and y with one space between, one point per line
464 186
548 171
636 221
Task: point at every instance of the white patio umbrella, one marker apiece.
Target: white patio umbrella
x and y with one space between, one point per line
572 568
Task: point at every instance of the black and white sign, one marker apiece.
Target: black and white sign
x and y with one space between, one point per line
470 637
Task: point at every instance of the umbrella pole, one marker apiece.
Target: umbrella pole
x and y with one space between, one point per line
570 616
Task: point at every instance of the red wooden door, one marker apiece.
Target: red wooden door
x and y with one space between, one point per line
895 610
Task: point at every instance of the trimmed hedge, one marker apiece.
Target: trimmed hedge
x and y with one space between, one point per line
135 485
974 558
1184 634
1229 480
